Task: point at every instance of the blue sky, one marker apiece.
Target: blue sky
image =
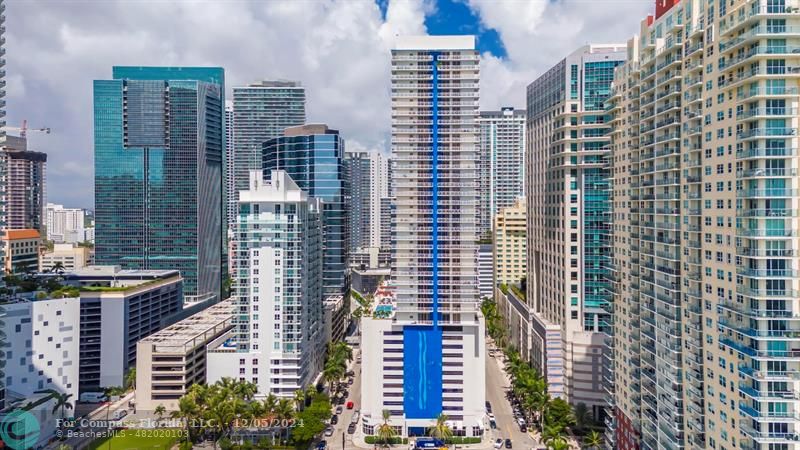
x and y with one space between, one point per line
455 17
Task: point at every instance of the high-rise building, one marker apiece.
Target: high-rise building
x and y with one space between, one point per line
502 162
510 244
367 177
277 290
705 189
261 111
485 276
230 185
2 170
24 184
387 210
158 173
313 156
568 216
64 224
428 358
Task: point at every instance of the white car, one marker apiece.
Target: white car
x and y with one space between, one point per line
490 416
329 431
498 443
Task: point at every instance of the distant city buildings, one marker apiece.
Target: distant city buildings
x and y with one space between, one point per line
313 157
230 184
502 162
65 258
261 111
510 244
367 175
66 225
278 336
485 271
158 173
423 344
568 203
24 186
170 361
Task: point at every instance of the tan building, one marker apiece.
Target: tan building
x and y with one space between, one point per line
705 202
510 244
69 256
568 213
21 250
171 360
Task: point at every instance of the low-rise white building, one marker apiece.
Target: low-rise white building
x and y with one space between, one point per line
42 348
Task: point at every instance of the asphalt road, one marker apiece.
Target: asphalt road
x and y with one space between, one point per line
496 385
335 441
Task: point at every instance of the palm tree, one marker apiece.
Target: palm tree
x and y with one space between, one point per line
61 400
441 430
332 373
187 411
385 431
558 444
130 379
284 412
270 406
245 390
582 416
550 434
57 267
593 440
299 399
160 411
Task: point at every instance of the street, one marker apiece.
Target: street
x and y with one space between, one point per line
496 384
335 441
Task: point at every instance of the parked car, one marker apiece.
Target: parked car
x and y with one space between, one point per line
93 397
329 431
350 404
508 443
498 443
356 416
339 409
351 428
322 445
488 407
493 424
120 413
523 428
491 416
334 419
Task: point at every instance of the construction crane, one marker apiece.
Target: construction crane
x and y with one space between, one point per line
23 130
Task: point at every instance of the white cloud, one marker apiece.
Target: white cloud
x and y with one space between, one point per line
339 49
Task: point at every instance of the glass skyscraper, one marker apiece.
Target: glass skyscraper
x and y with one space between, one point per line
312 155
158 172
261 111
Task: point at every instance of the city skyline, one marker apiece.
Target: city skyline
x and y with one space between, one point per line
87 47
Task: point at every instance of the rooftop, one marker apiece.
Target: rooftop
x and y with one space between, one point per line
180 335
21 234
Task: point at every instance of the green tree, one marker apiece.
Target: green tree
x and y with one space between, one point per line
582 416
385 431
559 412
160 411
57 267
61 400
130 379
299 399
558 444
593 440
440 430
313 418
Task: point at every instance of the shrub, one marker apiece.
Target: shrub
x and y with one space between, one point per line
392 441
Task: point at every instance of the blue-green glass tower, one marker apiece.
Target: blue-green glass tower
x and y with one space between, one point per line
158 134
313 156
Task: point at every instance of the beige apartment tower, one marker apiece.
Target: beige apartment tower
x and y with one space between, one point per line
705 193
510 244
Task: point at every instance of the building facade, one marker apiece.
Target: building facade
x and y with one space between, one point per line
427 345
502 158
313 157
485 271
278 336
510 243
228 178
25 185
367 178
569 211
158 173
2 169
261 111
65 258
705 186
119 307
64 224
42 349
170 361
21 251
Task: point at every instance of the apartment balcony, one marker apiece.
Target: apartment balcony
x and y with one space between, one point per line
754 11
764 416
765 273
768 293
765 233
766 437
766 133
767 212
763 396
765 375
772 335
759 354
755 313
762 152
757 33
766 113
766 193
